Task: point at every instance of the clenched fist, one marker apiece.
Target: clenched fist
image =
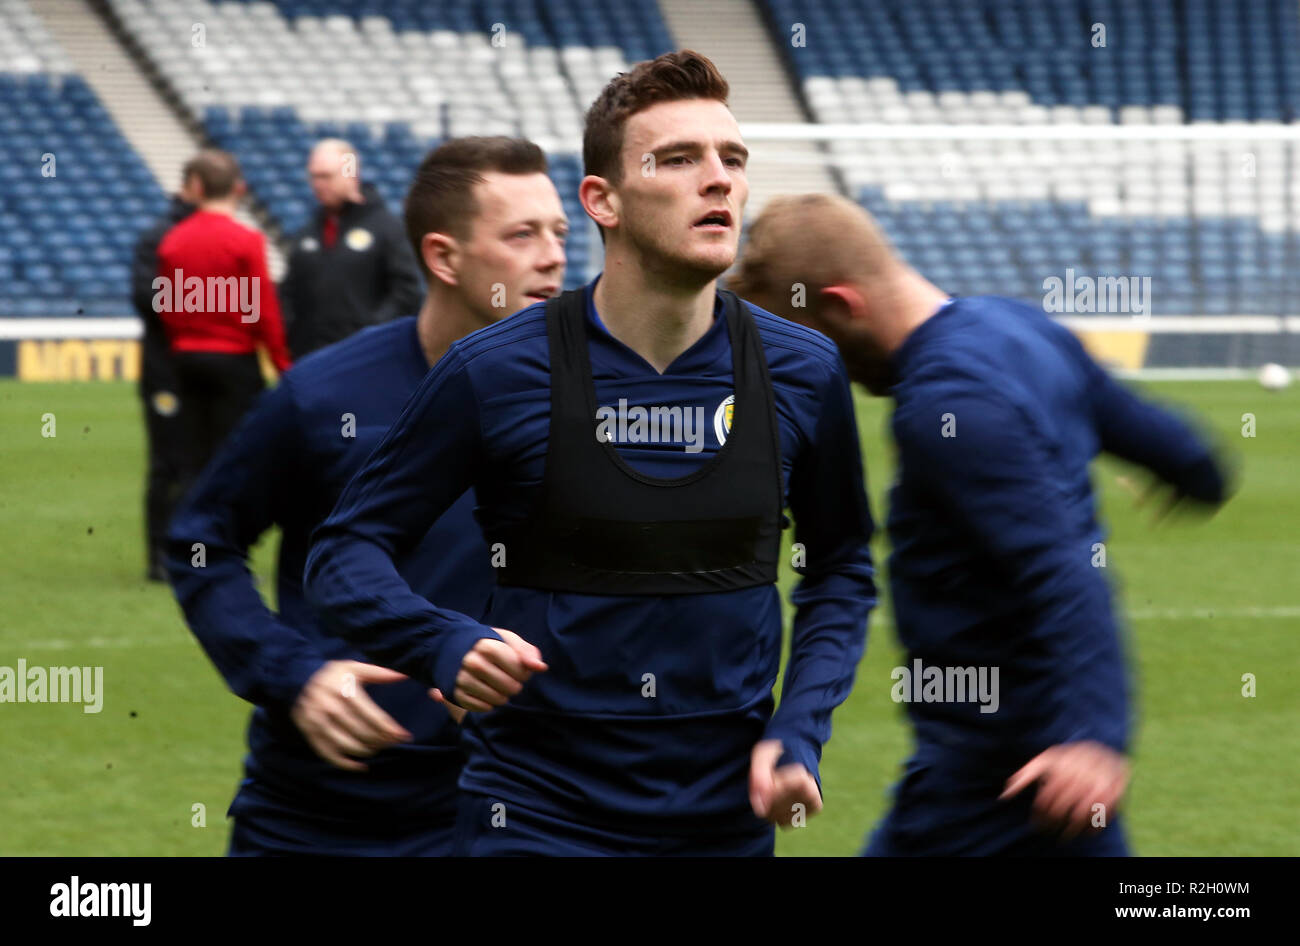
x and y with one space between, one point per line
775 792
495 670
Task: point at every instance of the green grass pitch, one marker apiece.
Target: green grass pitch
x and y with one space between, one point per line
1208 601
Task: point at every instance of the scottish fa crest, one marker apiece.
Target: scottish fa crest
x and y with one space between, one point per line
722 418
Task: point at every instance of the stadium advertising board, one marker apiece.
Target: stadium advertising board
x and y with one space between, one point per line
69 349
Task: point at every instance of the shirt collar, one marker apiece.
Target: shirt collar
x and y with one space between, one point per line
905 352
418 366
699 355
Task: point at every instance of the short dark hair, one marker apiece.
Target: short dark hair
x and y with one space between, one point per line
218 172
441 198
673 77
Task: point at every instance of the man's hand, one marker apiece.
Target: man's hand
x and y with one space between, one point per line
1163 499
775 793
456 713
339 719
1151 497
1071 778
493 671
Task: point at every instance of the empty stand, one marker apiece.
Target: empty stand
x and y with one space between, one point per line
394 77
73 193
1212 222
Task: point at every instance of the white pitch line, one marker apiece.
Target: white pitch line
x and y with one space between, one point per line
63 644
1282 612
1181 614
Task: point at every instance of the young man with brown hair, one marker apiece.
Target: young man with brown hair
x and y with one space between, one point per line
620 684
489 227
994 570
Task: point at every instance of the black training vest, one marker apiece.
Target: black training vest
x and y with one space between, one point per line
602 527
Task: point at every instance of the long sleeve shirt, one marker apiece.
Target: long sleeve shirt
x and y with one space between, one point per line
216 293
651 705
998 557
285 465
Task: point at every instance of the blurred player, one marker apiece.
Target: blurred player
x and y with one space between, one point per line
217 302
620 685
164 434
350 266
481 213
998 412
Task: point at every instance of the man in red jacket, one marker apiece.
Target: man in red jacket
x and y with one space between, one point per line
217 302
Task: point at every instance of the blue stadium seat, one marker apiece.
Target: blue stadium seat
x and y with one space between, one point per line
1208 60
60 239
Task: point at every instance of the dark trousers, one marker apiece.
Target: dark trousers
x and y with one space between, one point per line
265 826
217 390
164 426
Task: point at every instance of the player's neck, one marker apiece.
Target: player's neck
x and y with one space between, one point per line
443 319
220 206
913 300
655 317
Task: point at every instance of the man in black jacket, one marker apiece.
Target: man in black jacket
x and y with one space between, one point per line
164 428
351 266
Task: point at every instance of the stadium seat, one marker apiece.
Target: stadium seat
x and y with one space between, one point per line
1090 202
404 75
66 178
1214 223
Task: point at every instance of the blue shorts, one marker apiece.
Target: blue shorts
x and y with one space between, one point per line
939 813
491 827
263 828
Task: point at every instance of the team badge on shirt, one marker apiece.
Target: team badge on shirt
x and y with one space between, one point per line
309 244
722 418
166 403
359 239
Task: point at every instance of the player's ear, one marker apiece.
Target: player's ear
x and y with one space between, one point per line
599 201
842 306
441 253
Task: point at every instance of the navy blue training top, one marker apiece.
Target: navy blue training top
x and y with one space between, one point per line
584 741
993 524
285 464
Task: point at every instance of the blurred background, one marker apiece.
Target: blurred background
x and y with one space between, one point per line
1149 138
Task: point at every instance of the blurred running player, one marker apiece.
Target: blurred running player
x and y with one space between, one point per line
488 225
998 412
620 685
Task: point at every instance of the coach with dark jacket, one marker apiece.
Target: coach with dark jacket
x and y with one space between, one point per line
351 266
158 388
